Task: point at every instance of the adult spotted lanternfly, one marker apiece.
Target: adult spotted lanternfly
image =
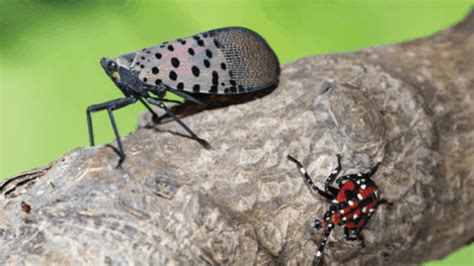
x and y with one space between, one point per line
352 204
223 61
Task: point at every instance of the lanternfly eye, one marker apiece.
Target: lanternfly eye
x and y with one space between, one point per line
112 66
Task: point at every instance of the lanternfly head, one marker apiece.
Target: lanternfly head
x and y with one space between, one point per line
111 68
118 69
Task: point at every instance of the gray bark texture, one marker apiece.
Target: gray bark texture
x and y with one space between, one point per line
241 202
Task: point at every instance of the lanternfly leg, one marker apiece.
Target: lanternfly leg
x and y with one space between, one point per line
367 175
186 96
156 118
320 251
109 106
371 171
117 137
317 224
327 186
384 201
154 115
160 104
308 179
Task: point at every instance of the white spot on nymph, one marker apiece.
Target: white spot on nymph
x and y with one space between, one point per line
363 186
359 196
355 216
327 219
334 201
341 211
364 210
302 170
351 203
358 181
318 254
334 172
359 174
371 210
344 219
330 225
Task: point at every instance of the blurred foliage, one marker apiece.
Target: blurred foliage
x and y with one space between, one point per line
50 51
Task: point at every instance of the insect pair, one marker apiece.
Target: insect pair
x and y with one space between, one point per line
353 202
228 61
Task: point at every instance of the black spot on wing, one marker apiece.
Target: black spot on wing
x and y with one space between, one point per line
191 51
196 88
198 40
208 53
180 86
155 70
207 63
158 56
215 78
213 89
173 75
195 71
175 62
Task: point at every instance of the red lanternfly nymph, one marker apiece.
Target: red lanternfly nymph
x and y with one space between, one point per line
352 203
231 60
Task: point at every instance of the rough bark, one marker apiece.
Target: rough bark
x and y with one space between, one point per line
409 106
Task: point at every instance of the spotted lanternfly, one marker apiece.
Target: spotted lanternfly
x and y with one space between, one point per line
231 60
352 203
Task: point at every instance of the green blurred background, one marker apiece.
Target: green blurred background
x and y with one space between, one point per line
50 51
